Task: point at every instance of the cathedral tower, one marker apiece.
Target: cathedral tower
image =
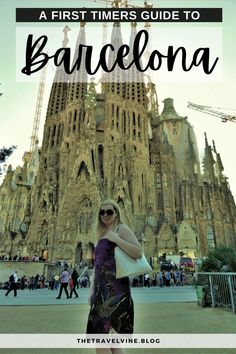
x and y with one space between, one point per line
108 140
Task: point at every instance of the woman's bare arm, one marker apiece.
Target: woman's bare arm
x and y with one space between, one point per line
126 240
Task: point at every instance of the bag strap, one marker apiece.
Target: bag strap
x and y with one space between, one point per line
117 228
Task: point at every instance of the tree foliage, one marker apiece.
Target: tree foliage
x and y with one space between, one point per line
5 153
220 259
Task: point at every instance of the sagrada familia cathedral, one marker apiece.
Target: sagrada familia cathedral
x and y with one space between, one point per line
114 143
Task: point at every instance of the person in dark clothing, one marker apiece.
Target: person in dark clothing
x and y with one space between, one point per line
109 297
12 284
73 283
64 278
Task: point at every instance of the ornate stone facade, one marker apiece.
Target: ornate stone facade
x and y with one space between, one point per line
115 144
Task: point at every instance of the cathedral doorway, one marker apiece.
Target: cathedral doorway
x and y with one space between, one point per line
90 255
78 254
45 255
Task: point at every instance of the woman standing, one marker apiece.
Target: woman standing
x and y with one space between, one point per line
73 283
110 299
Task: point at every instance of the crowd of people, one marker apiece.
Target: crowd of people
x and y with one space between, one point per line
31 283
73 280
162 278
18 258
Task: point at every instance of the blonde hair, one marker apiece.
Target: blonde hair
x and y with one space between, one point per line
100 228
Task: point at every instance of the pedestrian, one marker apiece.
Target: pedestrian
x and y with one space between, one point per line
56 281
73 283
135 281
36 281
168 277
41 281
12 283
177 277
140 282
64 278
146 280
154 279
160 279
110 298
182 277
23 282
31 283
163 277
172 279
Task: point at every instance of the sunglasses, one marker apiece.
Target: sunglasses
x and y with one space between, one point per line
108 212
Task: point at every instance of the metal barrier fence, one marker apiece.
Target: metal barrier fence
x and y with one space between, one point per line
217 290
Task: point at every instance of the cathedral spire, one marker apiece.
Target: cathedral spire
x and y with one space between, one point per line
208 162
169 111
214 147
58 93
193 155
219 168
135 87
114 81
78 79
206 141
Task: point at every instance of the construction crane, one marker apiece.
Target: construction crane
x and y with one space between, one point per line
38 109
213 111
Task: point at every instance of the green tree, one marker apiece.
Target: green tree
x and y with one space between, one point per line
219 259
5 153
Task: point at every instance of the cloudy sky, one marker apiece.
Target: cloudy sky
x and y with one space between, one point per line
17 104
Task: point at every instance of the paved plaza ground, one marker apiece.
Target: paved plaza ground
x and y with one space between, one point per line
167 310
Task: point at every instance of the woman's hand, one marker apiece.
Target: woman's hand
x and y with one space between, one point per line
126 240
111 236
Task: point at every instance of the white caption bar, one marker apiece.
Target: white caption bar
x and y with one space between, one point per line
115 341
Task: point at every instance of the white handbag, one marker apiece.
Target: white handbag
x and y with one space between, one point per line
127 266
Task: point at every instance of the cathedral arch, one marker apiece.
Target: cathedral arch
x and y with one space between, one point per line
85 215
139 121
165 184
75 119
78 254
117 112
120 170
69 123
158 180
62 131
83 168
44 255
54 131
80 114
159 200
58 134
100 159
48 137
134 119
112 110
210 237
93 161
117 117
124 122
140 202
89 254
120 202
